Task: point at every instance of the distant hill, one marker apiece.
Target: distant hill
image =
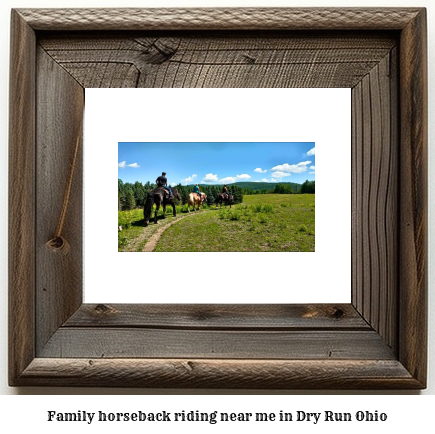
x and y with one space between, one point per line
258 186
254 186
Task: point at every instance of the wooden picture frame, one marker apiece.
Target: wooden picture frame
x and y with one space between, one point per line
376 342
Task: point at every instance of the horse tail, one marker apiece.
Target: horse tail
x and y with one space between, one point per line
147 209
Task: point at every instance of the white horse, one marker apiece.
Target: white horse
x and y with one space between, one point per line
194 199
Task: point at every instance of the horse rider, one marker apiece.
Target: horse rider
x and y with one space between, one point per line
225 190
161 181
196 190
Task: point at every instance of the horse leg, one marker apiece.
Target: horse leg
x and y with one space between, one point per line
174 210
164 210
155 214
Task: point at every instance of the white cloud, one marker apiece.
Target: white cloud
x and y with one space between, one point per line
258 169
244 176
209 178
257 181
189 179
292 168
228 180
313 168
123 165
274 180
311 151
280 174
264 180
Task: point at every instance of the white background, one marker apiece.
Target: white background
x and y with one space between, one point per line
410 413
220 115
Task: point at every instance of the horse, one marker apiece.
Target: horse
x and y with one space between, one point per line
194 199
159 196
225 198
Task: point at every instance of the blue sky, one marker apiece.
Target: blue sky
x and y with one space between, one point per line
216 163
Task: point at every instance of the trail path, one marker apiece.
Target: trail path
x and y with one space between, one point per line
149 237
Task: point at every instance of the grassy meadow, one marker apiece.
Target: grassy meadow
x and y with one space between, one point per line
262 223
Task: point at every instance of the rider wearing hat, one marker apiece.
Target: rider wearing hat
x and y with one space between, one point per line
161 181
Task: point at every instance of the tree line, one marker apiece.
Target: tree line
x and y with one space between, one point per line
131 195
308 187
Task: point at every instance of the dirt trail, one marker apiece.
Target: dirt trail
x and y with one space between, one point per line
151 234
153 240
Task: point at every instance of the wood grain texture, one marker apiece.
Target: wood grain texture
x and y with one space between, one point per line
234 60
220 18
220 317
229 374
379 342
60 105
413 197
127 342
21 193
375 198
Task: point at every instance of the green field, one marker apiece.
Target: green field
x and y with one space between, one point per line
266 223
133 235
262 223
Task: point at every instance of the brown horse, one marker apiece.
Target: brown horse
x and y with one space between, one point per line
225 198
195 199
159 196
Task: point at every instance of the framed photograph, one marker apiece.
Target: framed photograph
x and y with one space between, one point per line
61 57
268 243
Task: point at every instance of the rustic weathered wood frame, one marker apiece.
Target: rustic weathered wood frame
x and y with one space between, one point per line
377 341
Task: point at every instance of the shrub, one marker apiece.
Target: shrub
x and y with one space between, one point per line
222 215
235 215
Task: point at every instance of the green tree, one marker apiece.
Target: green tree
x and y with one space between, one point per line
283 189
130 202
184 193
236 192
121 193
308 187
139 193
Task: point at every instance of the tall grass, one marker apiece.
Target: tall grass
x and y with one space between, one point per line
127 218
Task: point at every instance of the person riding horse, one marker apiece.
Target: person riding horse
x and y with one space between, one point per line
225 191
161 181
196 190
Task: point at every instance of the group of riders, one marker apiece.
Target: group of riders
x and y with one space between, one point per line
162 181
